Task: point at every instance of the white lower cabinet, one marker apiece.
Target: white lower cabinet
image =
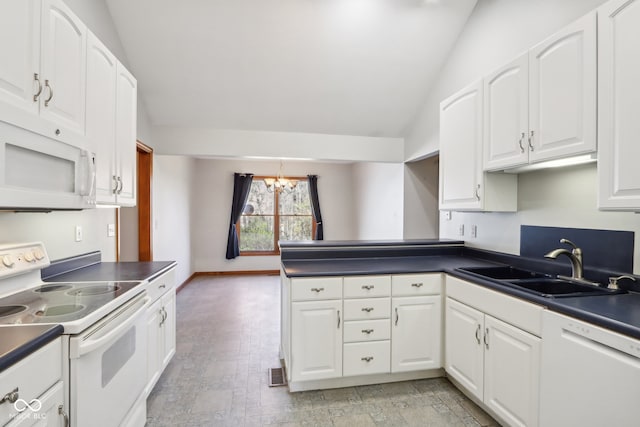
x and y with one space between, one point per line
161 326
495 361
316 340
416 334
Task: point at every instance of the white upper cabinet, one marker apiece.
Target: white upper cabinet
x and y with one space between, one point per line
463 184
43 69
126 107
542 105
619 105
562 88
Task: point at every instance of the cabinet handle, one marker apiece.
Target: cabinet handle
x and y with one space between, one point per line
520 142
120 185
367 287
11 397
46 101
417 285
162 286
367 309
317 290
486 338
478 192
64 415
115 181
531 141
478 333
397 317
367 331
367 359
37 94
338 319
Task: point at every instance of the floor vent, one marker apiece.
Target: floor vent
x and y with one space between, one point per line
277 377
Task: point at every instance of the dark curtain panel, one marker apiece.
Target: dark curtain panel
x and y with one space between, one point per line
241 187
315 206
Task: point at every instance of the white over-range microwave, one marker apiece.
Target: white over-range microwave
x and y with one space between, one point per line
40 173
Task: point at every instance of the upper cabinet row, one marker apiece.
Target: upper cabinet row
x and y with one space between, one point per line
545 105
58 80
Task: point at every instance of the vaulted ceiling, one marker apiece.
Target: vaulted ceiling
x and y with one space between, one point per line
348 67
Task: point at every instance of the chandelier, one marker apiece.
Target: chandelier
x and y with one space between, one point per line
280 183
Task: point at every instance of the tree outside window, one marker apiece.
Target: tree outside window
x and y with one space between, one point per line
272 216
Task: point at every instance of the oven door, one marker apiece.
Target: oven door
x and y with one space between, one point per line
107 367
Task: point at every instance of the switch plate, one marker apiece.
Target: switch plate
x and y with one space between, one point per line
461 230
111 230
474 231
78 233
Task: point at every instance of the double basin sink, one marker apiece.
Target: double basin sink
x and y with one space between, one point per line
538 283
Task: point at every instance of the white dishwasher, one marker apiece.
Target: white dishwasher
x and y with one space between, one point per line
590 375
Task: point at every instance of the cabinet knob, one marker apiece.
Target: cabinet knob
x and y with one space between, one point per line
57 132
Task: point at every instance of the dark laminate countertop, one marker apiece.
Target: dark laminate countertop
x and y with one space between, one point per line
619 313
107 271
17 342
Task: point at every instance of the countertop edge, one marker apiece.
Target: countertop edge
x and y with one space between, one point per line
30 346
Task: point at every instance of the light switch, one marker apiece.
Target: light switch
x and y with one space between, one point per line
111 230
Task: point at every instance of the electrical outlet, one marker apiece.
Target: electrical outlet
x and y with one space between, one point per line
111 230
78 233
461 230
474 231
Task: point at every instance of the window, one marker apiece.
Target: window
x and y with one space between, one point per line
269 217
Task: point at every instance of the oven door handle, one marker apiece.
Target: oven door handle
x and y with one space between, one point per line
89 343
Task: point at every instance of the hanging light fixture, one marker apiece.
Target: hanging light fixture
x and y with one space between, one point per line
280 183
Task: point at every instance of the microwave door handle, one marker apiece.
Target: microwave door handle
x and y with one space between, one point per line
87 346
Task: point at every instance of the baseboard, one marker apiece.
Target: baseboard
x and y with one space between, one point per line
228 273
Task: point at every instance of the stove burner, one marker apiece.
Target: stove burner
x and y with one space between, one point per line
9 310
93 290
52 288
59 310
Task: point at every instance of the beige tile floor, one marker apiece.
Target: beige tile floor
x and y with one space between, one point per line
227 338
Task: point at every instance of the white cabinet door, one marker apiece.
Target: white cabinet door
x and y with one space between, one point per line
461 149
101 116
506 115
464 352
316 340
169 327
20 53
63 64
416 333
126 106
562 89
618 105
511 373
154 358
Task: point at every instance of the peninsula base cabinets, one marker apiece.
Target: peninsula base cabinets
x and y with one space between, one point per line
618 105
489 355
356 330
161 326
42 78
38 376
464 186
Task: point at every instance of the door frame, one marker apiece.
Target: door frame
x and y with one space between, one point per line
144 159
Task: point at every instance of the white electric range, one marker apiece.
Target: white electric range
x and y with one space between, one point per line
104 338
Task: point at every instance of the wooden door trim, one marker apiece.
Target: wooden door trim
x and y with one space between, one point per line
144 155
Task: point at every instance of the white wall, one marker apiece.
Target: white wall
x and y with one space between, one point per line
173 200
212 192
496 32
378 200
421 215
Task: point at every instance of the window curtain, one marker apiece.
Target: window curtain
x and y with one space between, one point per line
315 206
241 187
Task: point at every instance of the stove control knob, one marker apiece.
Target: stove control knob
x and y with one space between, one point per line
29 257
7 261
38 254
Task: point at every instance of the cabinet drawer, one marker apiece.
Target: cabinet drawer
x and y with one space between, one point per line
367 286
369 308
367 330
366 358
416 284
316 288
161 284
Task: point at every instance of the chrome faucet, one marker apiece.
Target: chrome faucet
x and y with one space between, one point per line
575 256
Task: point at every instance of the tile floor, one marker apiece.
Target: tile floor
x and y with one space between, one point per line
227 338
